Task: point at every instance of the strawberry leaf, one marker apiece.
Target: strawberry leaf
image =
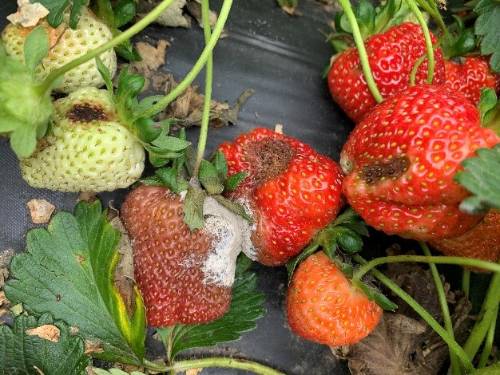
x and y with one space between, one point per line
193 208
105 74
57 8
234 207
247 306
378 297
220 164
489 107
481 178
68 271
209 178
36 48
233 181
486 27
24 349
170 178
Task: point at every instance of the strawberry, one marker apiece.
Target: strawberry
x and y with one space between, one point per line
292 191
67 44
86 149
392 56
470 76
401 160
481 242
185 277
324 307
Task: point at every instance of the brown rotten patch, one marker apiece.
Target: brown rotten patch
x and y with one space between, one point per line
87 112
393 169
269 157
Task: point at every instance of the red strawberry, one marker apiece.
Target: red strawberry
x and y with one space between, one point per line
401 159
324 307
292 190
481 242
185 277
392 56
470 76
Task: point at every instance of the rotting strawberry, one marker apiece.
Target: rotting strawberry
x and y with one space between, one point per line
185 276
66 44
87 147
323 306
400 163
480 242
470 75
291 190
392 56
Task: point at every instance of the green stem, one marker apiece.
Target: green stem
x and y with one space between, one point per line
127 34
431 8
428 41
205 119
363 56
424 314
184 84
461 261
414 70
487 315
488 345
218 362
466 282
448 324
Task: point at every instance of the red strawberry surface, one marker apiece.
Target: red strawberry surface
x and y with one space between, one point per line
401 160
392 56
470 76
324 307
292 190
168 260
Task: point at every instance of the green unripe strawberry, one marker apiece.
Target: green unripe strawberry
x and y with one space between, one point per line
86 148
67 44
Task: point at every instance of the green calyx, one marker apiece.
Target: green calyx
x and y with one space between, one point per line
372 20
458 40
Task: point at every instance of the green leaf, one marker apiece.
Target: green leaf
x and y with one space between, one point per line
375 295
234 207
127 51
22 351
247 306
57 9
488 106
23 141
481 178
292 264
170 178
36 48
209 178
68 271
125 11
486 26
105 74
220 164
193 208
233 181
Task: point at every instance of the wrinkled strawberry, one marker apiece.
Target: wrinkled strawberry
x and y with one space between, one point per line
292 190
401 160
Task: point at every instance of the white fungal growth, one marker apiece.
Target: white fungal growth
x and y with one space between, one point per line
231 236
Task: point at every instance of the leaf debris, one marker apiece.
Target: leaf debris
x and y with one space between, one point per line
40 210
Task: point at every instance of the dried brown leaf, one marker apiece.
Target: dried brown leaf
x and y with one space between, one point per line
173 16
28 14
194 9
5 258
93 347
47 332
40 210
153 57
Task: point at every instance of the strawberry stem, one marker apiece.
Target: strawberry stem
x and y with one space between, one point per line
487 315
363 56
127 34
461 261
466 282
448 324
431 8
419 309
218 362
195 70
202 141
428 41
488 345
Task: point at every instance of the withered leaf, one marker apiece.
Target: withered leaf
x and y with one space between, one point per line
47 332
40 210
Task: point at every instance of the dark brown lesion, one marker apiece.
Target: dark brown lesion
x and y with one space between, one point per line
270 158
392 169
87 112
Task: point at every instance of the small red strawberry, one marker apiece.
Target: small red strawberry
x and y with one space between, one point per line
481 242
185 277
401 161
324 307
392 56
470 76
292 191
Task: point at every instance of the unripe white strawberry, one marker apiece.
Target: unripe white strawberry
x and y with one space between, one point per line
67 44
86 149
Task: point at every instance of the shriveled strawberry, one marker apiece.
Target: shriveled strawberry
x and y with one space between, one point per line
481 242
291 190
401 161
185 277
470 75
324 307
392 56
